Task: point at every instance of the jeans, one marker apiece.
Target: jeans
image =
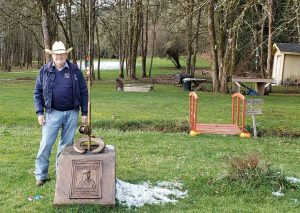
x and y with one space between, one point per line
54 121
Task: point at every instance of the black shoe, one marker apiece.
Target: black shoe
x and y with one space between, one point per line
39 182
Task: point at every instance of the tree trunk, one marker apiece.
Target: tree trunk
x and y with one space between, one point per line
262 61
196 42
92 26
69 30
298 19
152 54
7 58
85 27
130 42
99 53
121 46
136 31
46 36
233 56
145 42
189 31
270 19
1 47
229 45
213 45
154 22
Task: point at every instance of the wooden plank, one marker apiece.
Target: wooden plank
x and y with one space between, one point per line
195 79
222 129
254 80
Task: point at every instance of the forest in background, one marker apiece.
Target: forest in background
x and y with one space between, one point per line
236 34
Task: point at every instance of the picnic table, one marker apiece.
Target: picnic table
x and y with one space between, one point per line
260 84
194 84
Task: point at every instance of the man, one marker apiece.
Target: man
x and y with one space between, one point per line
60 91
86 183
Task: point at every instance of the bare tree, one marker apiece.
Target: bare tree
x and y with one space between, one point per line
19 32
238 31
48 24
189 31
213 44
145 39
137 26
121 38
155 18
99 53
269 7
196 38
297 12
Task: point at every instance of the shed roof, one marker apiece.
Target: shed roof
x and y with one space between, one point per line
288 47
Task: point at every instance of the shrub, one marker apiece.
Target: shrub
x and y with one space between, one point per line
253 171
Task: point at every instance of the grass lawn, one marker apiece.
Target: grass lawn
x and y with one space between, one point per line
157 147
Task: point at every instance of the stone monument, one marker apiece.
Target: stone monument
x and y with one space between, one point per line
86 170
86 178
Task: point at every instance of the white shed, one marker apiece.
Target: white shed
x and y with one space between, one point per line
286 66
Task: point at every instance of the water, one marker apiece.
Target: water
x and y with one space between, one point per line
104 65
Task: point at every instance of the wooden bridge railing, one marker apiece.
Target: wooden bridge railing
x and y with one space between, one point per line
238 111
193 110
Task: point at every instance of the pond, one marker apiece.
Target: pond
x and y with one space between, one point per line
104 65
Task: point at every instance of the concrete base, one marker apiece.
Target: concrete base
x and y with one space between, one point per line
86 178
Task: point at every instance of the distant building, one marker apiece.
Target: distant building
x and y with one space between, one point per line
286 66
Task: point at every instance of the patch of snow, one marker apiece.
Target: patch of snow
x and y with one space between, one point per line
137 195
292 179
278 194
109 147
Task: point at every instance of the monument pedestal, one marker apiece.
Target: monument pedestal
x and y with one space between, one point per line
86 178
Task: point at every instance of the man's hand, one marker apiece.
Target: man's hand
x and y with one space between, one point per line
41 120
84 119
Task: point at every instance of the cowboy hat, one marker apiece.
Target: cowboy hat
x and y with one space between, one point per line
58 48
86 171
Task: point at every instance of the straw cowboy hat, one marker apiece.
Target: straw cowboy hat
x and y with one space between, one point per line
58 48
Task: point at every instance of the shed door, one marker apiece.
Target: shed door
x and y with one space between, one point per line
278 69
291 70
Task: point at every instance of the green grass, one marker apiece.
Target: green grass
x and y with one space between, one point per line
171 156
157 147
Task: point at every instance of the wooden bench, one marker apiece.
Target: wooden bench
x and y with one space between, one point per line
120 86
138 87
196 83
260 84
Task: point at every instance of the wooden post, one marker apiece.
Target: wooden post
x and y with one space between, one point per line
260 88
254 126
253 109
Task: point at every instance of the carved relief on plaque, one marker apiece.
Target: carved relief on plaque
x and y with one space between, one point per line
86 179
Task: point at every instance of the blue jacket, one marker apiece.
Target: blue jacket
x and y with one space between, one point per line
44 87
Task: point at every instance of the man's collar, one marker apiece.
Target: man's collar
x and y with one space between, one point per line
65 66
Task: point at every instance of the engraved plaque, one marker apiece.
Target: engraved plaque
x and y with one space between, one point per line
86 179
